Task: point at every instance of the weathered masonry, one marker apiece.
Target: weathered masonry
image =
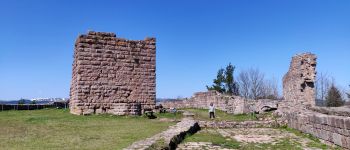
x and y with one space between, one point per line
299 110
113 75
298 83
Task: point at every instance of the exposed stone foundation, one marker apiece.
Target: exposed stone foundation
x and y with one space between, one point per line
234 124
171 137
113 75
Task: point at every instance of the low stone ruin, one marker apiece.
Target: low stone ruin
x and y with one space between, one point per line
298 110
117 76
113 75
227 103
170 138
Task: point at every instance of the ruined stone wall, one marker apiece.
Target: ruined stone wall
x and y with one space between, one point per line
331 128
113 75
202 100
298 109
298 83
229 104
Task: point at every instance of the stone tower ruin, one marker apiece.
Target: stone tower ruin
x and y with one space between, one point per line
298 83
113 75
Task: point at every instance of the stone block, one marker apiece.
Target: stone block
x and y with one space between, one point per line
337 139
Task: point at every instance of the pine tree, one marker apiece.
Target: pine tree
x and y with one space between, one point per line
224 82
231 85
21 101
334 98
218 82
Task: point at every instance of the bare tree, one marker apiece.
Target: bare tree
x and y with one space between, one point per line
252 84
244 84
271 89
323 84
348 94
257 83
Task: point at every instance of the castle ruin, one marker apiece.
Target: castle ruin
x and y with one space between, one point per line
113 75
298 83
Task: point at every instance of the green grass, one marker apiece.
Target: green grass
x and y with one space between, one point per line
202 114
178 115
217 139
284 144
315 142
214 138
58 129
159 144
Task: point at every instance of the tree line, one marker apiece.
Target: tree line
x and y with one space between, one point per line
250 84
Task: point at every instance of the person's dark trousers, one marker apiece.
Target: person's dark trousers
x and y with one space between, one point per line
211 115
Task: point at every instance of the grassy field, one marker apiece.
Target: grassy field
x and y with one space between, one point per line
172 116
202 114
58 129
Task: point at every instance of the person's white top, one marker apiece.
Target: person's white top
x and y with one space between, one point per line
211 108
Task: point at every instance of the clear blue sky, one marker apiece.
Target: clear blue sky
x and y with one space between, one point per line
194 39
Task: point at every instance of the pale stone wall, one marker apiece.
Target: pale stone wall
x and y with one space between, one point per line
113 75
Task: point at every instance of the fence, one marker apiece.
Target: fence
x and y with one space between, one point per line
4 107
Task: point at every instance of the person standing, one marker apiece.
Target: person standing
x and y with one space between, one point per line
211 111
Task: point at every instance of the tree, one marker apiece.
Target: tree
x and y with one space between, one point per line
253 85
348 94
21 101
270 89
230 84
218 82
33 102
224 82
257 81
323 83
244 84
334 98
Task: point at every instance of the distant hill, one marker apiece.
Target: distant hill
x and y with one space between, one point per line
26 101
37 101
51 101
